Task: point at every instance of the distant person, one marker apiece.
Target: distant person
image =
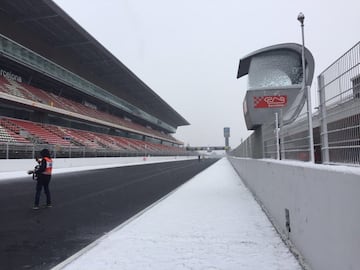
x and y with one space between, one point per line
43 173
199 158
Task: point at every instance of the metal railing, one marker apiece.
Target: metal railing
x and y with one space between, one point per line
339 102
286 140
10 150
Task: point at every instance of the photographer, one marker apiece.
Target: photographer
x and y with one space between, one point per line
43 175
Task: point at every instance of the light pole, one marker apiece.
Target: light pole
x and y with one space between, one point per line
306 88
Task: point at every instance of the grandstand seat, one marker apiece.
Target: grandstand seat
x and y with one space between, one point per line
5 136
13 131
54 135
83 138
39 133
32 93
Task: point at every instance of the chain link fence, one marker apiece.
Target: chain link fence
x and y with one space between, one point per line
339 95
289 140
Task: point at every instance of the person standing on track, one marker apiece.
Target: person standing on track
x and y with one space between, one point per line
43 173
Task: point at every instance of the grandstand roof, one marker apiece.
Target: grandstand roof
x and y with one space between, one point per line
46 29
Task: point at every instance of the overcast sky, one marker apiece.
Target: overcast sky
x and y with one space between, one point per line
188 51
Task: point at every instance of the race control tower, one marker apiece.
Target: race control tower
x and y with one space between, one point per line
275 82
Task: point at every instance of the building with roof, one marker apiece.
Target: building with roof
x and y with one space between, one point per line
52 72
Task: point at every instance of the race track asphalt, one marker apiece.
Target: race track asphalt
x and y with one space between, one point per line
86 205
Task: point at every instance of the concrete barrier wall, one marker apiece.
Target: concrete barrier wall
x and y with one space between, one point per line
323 204
11 165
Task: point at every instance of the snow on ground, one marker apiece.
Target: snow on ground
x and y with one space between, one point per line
211 222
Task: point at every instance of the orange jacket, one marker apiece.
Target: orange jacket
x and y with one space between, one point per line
48 169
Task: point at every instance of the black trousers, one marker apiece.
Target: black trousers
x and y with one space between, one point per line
43 181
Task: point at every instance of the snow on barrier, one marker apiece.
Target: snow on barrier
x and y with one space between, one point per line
314 207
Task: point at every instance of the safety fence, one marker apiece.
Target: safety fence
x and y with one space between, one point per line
277 140
336 122
339 98
21 151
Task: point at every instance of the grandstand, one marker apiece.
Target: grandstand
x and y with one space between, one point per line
60 88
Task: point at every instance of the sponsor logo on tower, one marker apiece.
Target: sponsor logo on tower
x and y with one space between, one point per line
270 101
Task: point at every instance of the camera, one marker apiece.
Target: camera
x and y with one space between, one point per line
34 171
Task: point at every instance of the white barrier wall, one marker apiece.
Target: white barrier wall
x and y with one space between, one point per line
8 166
323 203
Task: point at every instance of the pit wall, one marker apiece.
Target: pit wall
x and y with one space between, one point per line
323 206
13 165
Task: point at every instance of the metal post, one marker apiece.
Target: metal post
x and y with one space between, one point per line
325 157
246 148
306 88
281 130
277 136
311 135
7 150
